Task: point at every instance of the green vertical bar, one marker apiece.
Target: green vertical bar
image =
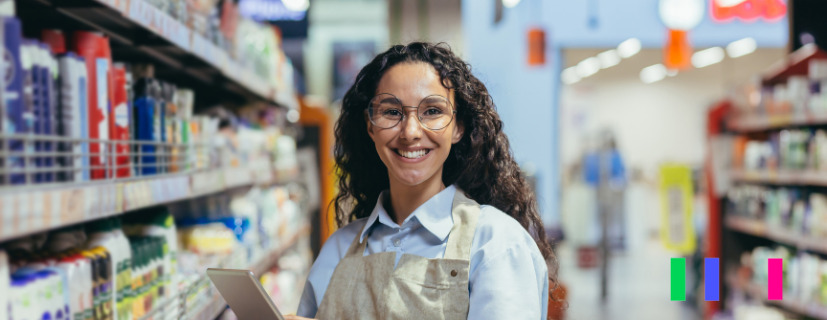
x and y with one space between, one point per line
678 270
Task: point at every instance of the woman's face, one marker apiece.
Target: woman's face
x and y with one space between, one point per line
401 147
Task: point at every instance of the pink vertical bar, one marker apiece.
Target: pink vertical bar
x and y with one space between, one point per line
775 283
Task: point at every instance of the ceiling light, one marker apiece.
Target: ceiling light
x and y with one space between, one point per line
588 67
741 47
628 48
608 58
653 73
707 57
296 5
510 3
569 76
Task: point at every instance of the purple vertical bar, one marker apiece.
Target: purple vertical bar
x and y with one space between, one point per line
775 283
711 279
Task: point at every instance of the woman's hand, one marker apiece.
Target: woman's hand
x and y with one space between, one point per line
292 317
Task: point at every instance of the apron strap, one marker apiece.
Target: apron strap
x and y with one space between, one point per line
357 248
465 213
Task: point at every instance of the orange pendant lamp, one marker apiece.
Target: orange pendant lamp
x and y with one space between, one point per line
679 16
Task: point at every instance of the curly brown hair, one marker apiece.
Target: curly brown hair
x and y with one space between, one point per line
481 163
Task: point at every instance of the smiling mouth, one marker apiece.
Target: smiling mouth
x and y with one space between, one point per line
413 154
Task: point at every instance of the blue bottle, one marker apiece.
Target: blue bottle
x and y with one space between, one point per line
144 130
13 116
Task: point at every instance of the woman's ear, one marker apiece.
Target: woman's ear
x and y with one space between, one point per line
369 126
459 130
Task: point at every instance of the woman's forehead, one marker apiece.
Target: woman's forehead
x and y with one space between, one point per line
411 82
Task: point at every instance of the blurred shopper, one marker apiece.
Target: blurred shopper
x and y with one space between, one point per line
436 220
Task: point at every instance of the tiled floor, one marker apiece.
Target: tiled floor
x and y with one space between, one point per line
638 287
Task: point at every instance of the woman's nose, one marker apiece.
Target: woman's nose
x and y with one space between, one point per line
411 129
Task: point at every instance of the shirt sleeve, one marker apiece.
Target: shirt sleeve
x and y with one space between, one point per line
510 285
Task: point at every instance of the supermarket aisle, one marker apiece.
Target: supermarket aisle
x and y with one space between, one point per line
638 288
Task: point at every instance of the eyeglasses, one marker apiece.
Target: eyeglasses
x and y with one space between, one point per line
434 112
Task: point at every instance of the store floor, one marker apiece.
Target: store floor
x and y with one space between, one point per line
638 286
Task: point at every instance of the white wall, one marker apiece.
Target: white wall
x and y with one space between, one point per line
443 20
654 123
337 20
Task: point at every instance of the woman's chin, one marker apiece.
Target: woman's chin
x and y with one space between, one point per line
411 179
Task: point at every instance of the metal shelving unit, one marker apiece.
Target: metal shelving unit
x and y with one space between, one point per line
139 32
728 229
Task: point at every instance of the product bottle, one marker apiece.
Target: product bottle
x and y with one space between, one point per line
71 268
5 286
124 276
159 125
59 287
88 285
185 104
13 95
144 115
52 106
93 47
101 234
137 280
23 297
171 125
82 122
33 62
28 97
120 120
46 84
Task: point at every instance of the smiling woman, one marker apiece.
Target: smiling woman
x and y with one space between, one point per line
437 220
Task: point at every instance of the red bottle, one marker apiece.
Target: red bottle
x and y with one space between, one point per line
94 48
119 120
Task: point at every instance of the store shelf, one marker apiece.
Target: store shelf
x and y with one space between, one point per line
810 309
762 229
36 208
764 122
209 303
801 178
141 32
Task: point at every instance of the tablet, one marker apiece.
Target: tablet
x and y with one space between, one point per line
244 294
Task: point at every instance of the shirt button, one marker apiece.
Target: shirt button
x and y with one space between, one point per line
397 242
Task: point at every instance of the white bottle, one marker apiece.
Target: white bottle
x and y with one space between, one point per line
5 286
87 286
22 298
124 275
103 236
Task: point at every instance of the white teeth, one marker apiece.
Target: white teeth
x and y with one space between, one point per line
412 154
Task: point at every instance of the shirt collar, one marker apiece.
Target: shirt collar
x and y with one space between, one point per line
434 215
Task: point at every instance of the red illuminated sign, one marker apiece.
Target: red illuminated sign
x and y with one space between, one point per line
748 10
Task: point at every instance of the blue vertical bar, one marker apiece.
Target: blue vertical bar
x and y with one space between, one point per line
711 279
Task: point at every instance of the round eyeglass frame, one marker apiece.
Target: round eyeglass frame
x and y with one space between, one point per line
404 115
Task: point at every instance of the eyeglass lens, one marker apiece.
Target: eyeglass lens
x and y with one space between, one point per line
434 112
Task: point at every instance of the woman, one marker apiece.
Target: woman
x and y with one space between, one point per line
440 224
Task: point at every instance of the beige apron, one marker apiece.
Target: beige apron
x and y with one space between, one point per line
368 287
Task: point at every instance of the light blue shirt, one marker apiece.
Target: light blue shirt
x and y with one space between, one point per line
508 278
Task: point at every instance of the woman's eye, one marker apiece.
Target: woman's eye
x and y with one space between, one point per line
391 112
433 111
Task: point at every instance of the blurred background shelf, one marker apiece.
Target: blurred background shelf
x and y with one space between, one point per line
764 122
781 177
762 229
790 304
